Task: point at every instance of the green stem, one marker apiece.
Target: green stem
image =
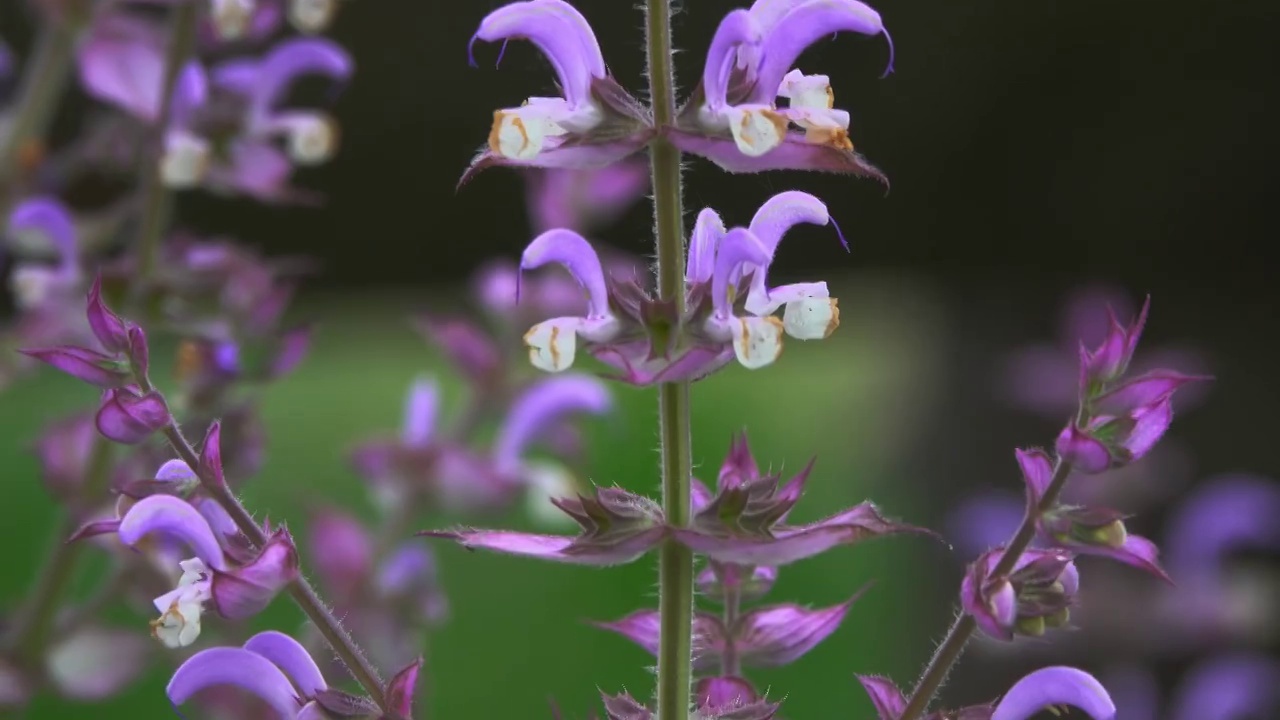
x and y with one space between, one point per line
675 562
303 594
156 198
43 84
34 624
952 646
730 663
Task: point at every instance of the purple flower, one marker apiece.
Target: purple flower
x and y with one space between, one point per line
1054 686
730 308
733 119
1038 593
1229 686
271 666
742 524
224 123
594 124
45 221
237 580
63 449
128 416
584 200
95 663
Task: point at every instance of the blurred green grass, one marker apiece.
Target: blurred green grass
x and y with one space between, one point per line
517 635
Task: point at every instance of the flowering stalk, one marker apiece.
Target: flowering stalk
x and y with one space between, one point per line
952 646
675 561
300 590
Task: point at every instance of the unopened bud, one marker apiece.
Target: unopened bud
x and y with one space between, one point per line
1033 626
1058 619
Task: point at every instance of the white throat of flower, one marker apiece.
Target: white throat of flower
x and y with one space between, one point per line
521 133
311 16
185 160
179 623
231 17
812 107
547 481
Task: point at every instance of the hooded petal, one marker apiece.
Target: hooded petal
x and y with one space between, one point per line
1221 516
774 218
560 32
885 696
556 548
736 29
790 544
738 248
708 230
571 250
239 668
778 635
47 217
794 153
290 656
176 519
801 27
541 407
289 60
246 590
1055 686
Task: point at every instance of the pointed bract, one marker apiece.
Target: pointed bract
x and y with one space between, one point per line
778 635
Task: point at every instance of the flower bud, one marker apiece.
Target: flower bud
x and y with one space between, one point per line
1034 596
128 416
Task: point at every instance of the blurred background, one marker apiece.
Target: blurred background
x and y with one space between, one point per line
1034 149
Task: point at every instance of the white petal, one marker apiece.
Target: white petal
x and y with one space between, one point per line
807 91
811 318
311 16
231 17
185 160
757 341
756 129
312 138
547 481
552 344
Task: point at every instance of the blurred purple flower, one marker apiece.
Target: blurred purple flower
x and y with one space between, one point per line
1221 687
96 663
584 200
732 118
271 666
726 275
594 124
1038 593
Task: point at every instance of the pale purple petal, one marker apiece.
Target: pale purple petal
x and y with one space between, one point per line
1056 685
1085 453
793 154
582 199
571 250
699 495
176 519
790 544
1149 427
239 668
290 656
708 230
801 27
1230 687
420 412
736 29
1223 515
121 63
982 522
96 663
291 59
540 407
994 609
90 366
739 247
1136 551
777 635
784 211
342 550
885 696
1037 470
560 32
47 216
556 548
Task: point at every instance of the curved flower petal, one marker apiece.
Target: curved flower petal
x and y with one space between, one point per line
708 231
1056 685
571 250
560 32
775 217
289 60
538 409
1228 687
48 217
736 29
555 547
237 667
290 656
177 519
1223 515
420 411
129 417
738 248
801 27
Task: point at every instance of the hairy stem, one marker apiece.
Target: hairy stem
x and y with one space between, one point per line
952 646
303 594
675 562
